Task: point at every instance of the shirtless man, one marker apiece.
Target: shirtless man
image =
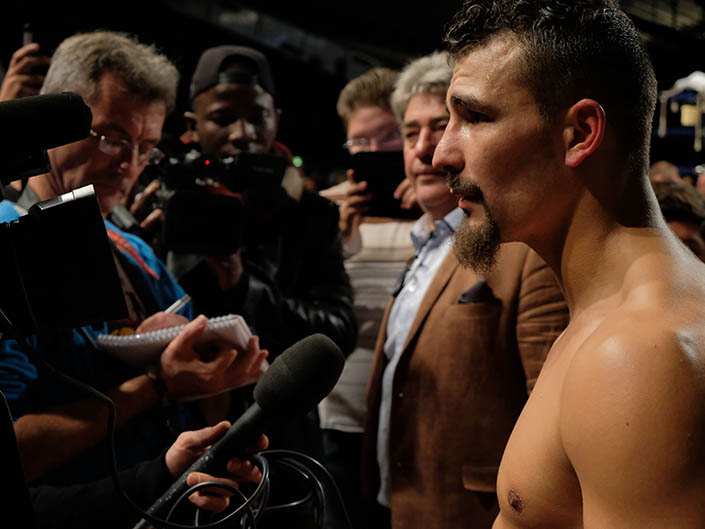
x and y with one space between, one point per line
548 140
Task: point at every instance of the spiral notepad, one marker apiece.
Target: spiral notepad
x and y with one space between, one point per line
142 349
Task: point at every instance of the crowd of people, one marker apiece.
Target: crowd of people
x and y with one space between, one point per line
524 329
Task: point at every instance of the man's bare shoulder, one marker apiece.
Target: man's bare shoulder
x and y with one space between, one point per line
632 418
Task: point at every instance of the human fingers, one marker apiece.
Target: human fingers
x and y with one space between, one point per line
250 363
142 198
197 441
409 199
356 188
161 320
244 471
357 198
30 63
152 219
214 499
187 338
24 51
190 445
16 87
402 188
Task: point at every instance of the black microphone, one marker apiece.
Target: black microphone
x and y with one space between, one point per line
297 380
36 123
43 122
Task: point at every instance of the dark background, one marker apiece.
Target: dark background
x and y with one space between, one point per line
316 47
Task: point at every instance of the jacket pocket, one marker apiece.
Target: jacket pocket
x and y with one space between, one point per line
480 478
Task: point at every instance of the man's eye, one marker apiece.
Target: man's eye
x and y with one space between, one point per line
222 121
257 119
476 117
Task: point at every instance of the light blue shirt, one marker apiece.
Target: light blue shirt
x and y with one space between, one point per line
432 246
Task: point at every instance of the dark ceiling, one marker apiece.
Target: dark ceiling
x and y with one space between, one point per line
315 48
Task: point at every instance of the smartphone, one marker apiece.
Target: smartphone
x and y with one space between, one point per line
27 34
383 171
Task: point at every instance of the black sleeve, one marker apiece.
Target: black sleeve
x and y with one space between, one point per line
310 292
99 504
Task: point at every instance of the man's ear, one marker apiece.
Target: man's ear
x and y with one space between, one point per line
190 119
584 130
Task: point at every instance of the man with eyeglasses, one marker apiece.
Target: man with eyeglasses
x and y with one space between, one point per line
376 252
458 350
370 126
130 89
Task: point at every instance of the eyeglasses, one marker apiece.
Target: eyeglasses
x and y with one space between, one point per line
388 141
120 146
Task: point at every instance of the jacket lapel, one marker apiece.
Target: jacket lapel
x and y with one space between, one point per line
438 283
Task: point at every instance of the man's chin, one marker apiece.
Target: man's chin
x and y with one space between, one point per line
476 244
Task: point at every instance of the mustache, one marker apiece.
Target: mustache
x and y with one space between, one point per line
467 189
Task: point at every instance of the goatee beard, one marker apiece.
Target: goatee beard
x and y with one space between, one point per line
476 247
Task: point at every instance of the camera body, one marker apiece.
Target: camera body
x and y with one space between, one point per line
204 198
59 267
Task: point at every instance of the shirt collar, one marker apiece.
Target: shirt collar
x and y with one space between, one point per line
421 230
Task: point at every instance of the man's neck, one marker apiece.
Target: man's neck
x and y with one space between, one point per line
437 214
601 249
44 186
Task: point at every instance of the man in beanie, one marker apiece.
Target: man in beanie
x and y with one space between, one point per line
287 280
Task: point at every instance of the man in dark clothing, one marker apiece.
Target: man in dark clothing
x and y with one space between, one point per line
287 279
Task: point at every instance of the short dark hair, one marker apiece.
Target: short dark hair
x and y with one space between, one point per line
372 88
680 201
573 49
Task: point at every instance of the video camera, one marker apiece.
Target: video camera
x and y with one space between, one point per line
58 267
205 199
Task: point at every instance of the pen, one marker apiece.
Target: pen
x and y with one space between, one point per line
178 304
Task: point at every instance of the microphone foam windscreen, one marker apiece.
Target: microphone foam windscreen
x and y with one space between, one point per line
301 376
42 122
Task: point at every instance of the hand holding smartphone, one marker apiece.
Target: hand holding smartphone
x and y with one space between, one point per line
384 172
27 68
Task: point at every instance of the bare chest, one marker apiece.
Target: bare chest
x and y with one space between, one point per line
536 485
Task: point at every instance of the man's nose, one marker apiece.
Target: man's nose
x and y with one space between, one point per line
425 145
241 131
130 160
448 156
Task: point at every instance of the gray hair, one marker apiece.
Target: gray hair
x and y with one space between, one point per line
429 74
80 60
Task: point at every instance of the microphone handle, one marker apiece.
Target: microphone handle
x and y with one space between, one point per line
244 432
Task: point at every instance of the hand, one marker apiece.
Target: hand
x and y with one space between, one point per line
21 79
228 270
188 374
191 445
161 320
140 207
353 207
406 193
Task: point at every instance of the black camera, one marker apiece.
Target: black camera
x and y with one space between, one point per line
58 267
204 198
57 264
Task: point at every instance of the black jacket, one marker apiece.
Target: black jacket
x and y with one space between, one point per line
294 282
